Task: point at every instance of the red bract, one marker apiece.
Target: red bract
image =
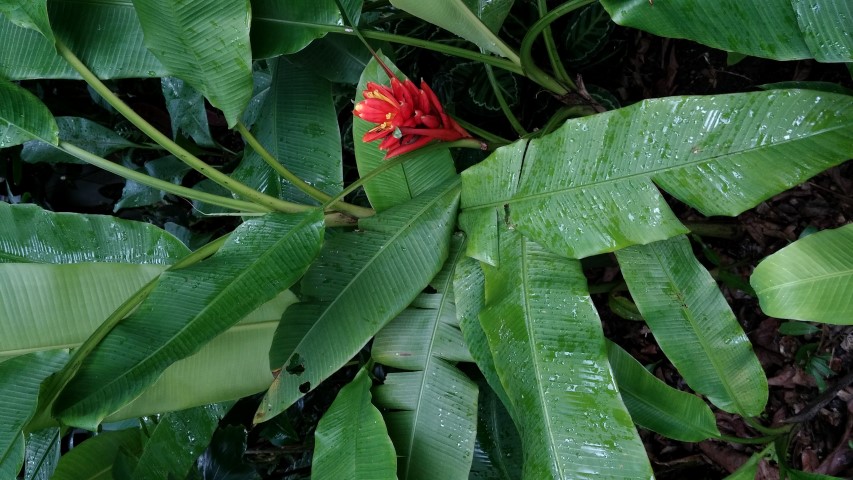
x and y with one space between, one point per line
406 117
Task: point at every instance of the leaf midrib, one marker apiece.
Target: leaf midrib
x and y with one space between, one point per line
646 173
148 358
840 274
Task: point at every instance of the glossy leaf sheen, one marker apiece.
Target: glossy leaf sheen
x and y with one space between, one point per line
23 117
19 381
177 441
589 187
275 25
781 29
298 125
105 34
431 406
42 456
351 441
186 110
549 352
206 44
694 325
360 282
30 234
403 182
655 405
188 308
811 279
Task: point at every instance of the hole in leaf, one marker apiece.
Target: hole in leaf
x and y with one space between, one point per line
295 366
305 387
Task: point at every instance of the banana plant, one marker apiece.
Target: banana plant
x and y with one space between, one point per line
454 281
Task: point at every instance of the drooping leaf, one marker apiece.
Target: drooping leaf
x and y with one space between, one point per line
458 18
105 34
176 442
748 470
811 279
335 57
188 308
43 451
94 459
298 125
497 438
186 110
28 14
549 351
83 133
589 187
277 26
19 381
404 182
787 30
31 234
23 117
694 325
470 296
206 44
135 194
431 406
351 440
657 406
360 282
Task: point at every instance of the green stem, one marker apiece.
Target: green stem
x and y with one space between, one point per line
414 42
526 50
464 143
139 177
167 143
516 125
551 47
302 185
766 430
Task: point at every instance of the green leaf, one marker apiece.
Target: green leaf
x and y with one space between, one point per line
336 58
206 44
470 295
239 355
188 308
186 110
457 17
588 33
223 459
31 234
115 51
431 406
797 328
83 133
655 405
94 459
28 14
588 187
498 438
788 30
389 260
177 441
811 279
298 125
135 194
57 306
404 182
491 12
351 441
23 117
800 475
826 27
276 26
43 451
19 381
549 352
694 325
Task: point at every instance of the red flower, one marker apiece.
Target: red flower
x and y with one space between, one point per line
406 117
